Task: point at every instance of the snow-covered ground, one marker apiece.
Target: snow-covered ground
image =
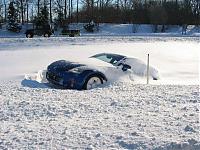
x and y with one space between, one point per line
106 29
121 115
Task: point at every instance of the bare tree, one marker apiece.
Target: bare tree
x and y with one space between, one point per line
38 5
22 11
27 11
1 16
65 10
50 12
5 12
77 11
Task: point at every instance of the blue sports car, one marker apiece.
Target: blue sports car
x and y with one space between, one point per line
100 69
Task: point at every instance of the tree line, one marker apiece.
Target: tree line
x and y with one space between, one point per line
60 12
174 12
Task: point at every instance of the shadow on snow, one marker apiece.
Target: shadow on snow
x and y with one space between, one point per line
34 84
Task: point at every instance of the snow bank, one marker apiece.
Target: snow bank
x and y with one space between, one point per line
119 116
107 29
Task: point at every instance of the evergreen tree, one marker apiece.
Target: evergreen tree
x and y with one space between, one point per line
1 16
60 18
12 24
43 17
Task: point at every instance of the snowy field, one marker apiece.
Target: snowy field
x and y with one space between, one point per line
106 29
122 115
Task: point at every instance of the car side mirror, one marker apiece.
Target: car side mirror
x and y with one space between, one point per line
125 67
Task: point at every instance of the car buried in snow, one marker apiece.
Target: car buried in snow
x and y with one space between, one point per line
94 72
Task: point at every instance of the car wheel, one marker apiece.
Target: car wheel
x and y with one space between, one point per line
92 82
29 35
46 35
71 35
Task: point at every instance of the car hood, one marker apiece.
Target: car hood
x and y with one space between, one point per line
91 63
95 62
63 65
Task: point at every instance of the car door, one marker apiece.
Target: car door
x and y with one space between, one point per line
138 67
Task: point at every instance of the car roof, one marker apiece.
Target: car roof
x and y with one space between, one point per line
115 55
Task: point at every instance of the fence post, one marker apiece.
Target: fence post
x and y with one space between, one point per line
148 69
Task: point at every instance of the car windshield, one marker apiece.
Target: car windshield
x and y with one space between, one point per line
109 58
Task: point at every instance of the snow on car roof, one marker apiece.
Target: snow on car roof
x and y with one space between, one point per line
111 54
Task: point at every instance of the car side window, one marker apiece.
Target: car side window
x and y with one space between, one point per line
104 58
109 58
